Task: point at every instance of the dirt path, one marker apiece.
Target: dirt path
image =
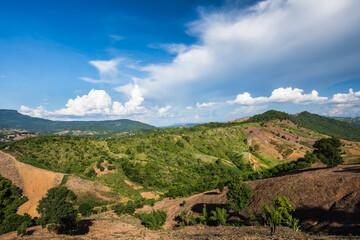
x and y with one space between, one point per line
32 180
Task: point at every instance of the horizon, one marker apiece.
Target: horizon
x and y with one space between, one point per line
166 63
173 124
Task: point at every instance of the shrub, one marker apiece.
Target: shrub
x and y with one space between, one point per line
22 229
327 151
204 217
91 173
220 186
183 217
238 196
57 208
153 220
85 209
219 216
280 215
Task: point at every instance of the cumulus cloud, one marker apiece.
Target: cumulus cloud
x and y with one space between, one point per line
96 102
280 95
344 109
246 99
163 111
281 40
203 105
346 97
108 70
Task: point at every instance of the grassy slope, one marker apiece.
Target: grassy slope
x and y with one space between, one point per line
168 158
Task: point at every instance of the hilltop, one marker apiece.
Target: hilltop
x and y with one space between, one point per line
11 119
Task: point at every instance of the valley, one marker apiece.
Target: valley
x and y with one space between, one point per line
181 169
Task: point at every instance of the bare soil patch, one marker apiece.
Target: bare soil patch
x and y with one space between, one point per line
33 181
86 189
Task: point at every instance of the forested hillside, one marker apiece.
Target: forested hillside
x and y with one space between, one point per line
13 119
353 121
324 125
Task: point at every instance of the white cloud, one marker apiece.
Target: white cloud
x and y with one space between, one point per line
106 67
133 106
164 110
276 39
96 102
346 97
189 107
108 70
173 48
344 109
202 105
246 99
280 95
196 117
37 112
2 76
295 95
116 37
90 80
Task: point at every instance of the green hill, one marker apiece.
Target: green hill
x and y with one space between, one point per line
329 126
324 125
353 121
16 120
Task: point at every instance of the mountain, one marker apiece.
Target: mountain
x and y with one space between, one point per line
324 125
179 162
353 121
14 119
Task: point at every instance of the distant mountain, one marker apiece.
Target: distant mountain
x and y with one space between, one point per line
353 121
16 120
182 125
324 125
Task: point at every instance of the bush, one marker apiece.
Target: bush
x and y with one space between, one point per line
327 151
204 217
219 216
91 173
238 196
280 215
85 209
22 230
57 208
153 220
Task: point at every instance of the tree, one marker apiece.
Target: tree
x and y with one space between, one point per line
327 151
57 208
219 216
280 214
85 209
238 196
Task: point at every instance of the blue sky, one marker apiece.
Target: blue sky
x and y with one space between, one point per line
165 62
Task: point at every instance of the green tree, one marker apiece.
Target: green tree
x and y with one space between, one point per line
219 216
238 196
327 151
57 209
204 217
85 209
280 214
273 218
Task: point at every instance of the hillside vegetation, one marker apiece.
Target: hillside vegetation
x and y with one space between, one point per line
15 120
353 121
324 125
180 161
